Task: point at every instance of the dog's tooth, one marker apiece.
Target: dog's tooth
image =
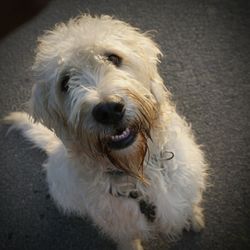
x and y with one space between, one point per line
126 132
125 135
114 138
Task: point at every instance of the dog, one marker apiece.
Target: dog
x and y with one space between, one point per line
118 152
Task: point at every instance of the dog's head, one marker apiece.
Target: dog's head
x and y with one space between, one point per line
97 86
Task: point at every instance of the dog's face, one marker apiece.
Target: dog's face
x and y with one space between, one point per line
98 88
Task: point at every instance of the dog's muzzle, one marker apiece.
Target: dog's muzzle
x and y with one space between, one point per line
111 114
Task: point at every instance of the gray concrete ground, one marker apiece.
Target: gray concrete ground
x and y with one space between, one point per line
206 66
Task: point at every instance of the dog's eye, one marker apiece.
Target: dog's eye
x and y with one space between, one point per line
115 59
64 83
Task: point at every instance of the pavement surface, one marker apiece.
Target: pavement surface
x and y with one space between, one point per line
206 66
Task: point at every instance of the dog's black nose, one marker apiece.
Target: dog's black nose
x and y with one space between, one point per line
108 112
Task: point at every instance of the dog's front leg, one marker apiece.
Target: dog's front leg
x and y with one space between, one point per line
130 245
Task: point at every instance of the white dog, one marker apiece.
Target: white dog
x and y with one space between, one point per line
117 150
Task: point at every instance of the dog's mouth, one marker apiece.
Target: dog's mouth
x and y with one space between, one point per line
123 138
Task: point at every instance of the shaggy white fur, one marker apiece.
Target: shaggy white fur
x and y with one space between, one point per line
117 150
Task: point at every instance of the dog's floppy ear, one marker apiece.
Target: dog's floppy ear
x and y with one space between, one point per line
43 102
39 103
157 87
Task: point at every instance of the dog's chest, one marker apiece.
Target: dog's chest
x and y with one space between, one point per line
108 197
